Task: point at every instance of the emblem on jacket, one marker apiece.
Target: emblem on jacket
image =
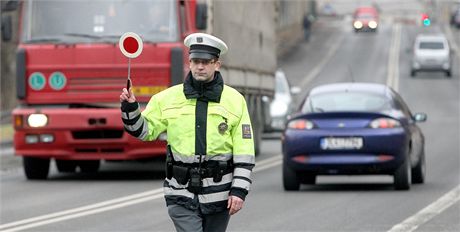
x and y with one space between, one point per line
246 131
222 128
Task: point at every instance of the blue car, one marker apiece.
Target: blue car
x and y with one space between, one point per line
353 129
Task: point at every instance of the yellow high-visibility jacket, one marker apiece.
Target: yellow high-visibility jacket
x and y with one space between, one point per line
228 137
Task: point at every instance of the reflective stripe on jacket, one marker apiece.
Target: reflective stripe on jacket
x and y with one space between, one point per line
228 137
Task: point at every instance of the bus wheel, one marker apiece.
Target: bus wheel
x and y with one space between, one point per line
36 168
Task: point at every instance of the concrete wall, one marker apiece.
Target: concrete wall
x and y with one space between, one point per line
8 65
248 28
289 24
258 32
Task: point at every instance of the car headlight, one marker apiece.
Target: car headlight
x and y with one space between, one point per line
446 65
37 120
358 24
372 24
278 108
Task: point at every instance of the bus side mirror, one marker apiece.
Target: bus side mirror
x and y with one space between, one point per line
201 15
7 22
7 28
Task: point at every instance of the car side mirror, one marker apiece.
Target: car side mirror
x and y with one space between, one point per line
419 117
295 90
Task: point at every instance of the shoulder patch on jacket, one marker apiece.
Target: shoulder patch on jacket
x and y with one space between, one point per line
246 131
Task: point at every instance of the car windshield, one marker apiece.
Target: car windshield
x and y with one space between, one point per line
282 86
431 45
346 101
77 21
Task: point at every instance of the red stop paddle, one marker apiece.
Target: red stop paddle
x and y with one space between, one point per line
131 46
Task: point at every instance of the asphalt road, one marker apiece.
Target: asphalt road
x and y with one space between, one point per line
128 197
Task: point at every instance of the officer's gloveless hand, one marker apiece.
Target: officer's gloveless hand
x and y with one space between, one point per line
127 96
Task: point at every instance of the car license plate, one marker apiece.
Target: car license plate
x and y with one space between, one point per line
336 143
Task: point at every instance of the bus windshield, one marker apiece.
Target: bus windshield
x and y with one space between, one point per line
83 21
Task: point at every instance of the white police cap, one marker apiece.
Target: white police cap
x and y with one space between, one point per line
205 46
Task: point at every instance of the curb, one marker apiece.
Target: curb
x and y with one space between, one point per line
6 135
6 143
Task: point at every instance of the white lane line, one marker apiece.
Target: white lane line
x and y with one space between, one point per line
84 208
393 58
429 212
84 213
312 75
274 161
108 205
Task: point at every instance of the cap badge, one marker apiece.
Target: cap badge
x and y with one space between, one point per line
222 128
199 39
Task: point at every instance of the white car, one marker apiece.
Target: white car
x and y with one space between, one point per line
282 104
431 53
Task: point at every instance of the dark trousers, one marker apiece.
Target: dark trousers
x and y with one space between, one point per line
186 220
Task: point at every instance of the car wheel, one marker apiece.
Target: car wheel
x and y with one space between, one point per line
419 171
448 73
36 168
412 73
290 181
402 176
66 165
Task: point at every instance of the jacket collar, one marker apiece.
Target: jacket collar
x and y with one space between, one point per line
210 91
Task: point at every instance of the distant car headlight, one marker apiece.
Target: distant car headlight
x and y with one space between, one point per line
278 108
384 123
37 120
301 124
372 24
358 24
446 65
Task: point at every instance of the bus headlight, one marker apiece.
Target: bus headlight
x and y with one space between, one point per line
37 120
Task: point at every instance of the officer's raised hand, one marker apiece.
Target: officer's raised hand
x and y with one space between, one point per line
127 96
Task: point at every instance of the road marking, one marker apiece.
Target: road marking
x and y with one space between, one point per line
393 58
108 205
429 212
89 208
77 214
314 73
268 163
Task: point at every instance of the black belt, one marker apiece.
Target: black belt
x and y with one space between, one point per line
215 169
205 164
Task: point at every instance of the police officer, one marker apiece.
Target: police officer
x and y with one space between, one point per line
210 142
